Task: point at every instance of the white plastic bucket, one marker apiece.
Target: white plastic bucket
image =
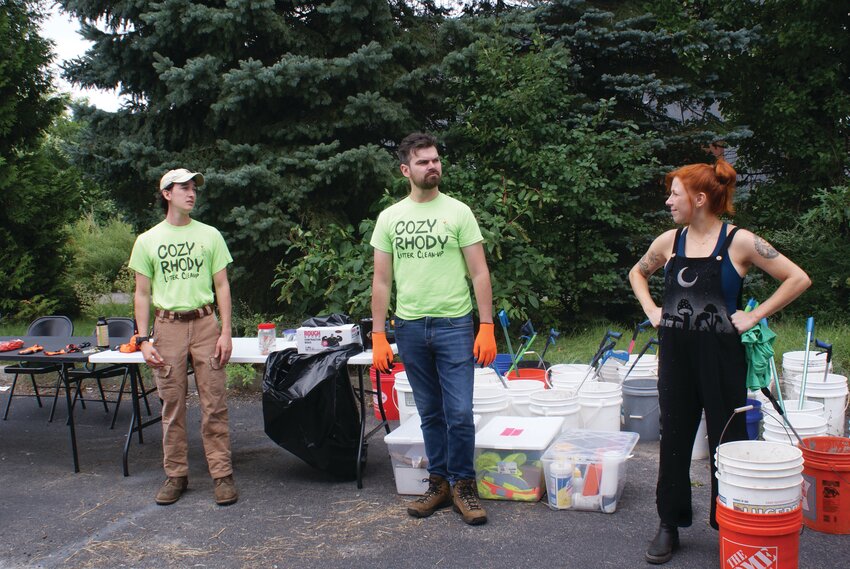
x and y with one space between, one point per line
700 449
759 477
570 380
600 406
644 368
610 371
832 394
486 376
490 401
806 426
519 391
403 397
569 368
792 366
809 407
556 403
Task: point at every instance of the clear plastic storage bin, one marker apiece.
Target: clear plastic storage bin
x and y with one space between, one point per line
586 470
507 456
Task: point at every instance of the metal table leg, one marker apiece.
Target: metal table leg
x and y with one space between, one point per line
364 436
64 377
136 423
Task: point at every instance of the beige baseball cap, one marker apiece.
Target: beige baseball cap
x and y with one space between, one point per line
179 176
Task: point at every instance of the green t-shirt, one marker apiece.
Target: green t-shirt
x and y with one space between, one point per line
180 261
425 240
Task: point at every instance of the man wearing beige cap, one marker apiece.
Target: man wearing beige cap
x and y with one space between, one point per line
181 267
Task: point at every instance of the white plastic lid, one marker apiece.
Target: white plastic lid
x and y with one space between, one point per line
518 433
591 446
410 432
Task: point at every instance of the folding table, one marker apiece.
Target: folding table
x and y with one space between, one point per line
66 361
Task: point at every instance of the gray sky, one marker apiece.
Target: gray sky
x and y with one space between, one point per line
69 44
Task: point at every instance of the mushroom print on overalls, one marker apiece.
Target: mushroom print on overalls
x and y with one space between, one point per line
695 300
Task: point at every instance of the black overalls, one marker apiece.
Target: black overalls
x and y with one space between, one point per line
702 365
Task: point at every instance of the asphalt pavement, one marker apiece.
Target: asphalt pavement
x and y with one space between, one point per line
292 516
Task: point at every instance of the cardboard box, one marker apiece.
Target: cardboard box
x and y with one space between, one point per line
311 340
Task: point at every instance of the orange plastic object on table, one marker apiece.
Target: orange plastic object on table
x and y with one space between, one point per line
130 346
10 345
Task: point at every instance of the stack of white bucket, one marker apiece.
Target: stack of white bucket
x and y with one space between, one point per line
557 403
827 389
486 379
759 477
645 368
599 402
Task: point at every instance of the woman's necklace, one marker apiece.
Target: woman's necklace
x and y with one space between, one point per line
709 235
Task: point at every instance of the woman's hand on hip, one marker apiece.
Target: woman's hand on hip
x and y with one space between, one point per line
743 321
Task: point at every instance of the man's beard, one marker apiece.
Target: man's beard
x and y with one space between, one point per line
429 181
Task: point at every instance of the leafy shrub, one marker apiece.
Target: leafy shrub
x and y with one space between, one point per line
818 244
332 272
241 376
99 255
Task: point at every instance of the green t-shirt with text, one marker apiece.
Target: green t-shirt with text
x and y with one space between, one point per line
180 261
425 240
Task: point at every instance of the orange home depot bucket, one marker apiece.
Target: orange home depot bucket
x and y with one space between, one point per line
826 484
767 541
387 382
538 374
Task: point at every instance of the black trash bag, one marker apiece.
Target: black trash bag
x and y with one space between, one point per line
329 320
309 408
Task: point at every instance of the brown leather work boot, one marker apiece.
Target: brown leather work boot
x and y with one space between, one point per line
467 503
171 490
225 491
438 495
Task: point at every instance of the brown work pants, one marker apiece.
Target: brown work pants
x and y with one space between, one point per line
176 342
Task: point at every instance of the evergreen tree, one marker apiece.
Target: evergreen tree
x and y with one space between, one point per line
288 107
32 216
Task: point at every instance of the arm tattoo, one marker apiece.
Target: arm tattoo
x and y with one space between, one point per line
648 263
764 248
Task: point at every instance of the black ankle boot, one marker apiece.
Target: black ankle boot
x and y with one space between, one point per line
666 541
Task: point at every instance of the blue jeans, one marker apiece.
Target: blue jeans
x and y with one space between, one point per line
437 356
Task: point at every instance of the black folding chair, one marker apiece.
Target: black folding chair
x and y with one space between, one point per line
43 326
119 327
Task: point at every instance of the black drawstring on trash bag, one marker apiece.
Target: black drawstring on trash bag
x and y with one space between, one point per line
309 408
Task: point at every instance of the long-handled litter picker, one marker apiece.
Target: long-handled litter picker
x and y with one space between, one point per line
503 320
810 332
550 341
638 329
528 337
606 349
609 334
652 342
828 349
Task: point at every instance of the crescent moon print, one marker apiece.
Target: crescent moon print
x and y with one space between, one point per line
683 282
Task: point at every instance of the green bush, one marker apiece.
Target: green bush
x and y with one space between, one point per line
99 254
818 244
241 376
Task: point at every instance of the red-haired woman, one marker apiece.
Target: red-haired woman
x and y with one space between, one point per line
702 365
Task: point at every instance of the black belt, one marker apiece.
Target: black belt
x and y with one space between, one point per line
185 316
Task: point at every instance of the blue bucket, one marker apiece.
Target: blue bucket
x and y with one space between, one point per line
503 363
754 416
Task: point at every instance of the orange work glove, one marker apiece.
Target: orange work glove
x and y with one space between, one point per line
484 349
382 353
